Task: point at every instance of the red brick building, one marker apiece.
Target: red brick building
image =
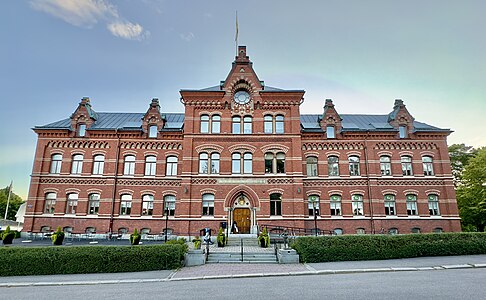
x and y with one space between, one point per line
241 152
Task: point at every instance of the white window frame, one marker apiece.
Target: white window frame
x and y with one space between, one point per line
56 163
150 165
98 164
77 164
50 203
171 166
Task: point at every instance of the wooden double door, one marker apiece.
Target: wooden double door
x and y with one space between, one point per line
242 218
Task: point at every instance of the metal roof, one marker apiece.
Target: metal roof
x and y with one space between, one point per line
175 121
362 123
120 121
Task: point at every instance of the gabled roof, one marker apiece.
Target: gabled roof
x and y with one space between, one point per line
127 121
351 122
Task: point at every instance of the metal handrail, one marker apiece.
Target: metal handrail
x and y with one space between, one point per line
241 243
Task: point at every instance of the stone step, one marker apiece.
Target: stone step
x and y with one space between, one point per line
247 258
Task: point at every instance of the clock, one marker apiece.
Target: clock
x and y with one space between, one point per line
242 97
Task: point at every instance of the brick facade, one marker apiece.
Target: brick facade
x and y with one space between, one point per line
278 160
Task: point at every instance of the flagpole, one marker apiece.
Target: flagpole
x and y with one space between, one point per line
8 199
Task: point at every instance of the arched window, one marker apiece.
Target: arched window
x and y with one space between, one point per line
313 205
427 162
279 124
171 166
129 166
77 165
338 231
98 164
208 205
94 204
214 163
203 163
411 205
204 124
312 166
247 163
50 203
393 231
390 205
415 230
385 165
268 124
354 165
56 161
169 204
438 230
150 165
406 165
126 204
236 125
434 205
247 125
275 204
215 124
152 131
72 203
357 202
360 231
236 163
335 205
147 205
280 162
402 132
333 165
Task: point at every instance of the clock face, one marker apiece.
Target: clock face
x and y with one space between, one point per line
242 97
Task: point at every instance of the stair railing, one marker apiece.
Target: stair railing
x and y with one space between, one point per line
241 243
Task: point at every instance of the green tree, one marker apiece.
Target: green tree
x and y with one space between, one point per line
471 193
13 207
460 155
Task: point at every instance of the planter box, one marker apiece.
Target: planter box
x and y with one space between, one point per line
194 258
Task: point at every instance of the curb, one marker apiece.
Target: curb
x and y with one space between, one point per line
311 271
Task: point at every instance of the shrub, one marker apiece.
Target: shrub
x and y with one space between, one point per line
57 237
18 261
8 236
368 247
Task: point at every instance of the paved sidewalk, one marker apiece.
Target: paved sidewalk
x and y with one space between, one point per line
212 271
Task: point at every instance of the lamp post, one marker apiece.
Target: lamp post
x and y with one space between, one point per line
166 221
313 200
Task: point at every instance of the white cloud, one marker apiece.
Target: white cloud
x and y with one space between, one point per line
87 13
128 30
187 37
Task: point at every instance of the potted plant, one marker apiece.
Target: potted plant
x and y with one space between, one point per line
197 242
8 236
135 237
264 238
221 238
57 237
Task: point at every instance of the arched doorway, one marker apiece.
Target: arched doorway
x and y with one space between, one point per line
242 214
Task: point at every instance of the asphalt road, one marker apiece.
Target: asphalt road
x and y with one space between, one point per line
443 284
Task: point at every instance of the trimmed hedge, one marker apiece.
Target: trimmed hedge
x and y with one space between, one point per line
16 261
369 247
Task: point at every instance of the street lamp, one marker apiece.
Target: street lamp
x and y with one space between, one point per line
166 221
313 200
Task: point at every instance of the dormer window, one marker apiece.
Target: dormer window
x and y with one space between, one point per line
330 132
402 132
152 131
81 130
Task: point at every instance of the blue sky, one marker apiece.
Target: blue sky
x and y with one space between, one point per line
121 54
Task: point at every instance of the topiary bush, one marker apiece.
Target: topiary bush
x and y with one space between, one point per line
8 236
135 237
57 237
17 261
264 238
197 242
221 238
369 247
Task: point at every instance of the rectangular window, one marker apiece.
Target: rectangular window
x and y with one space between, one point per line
333 165
402 131
268 124
81 130
72 204
216 124
330 132
204 124
280 163
279 124
247 163
208 205
94 204
275 205
169 204
236 127
311 166
247 124
411 208
236 163
153 131
50 204
357 205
